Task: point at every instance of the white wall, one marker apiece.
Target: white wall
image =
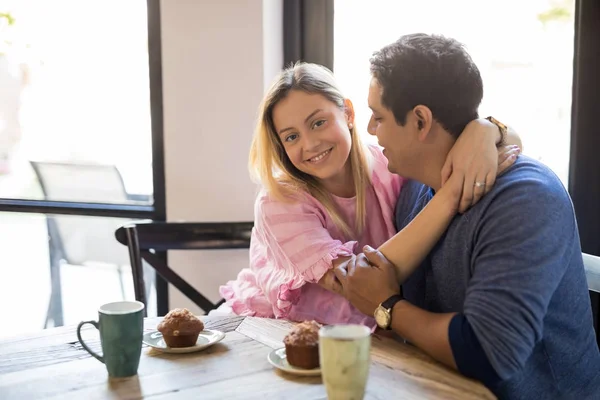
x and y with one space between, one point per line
218 58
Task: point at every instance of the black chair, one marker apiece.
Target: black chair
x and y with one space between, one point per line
78 241
592 273
144 239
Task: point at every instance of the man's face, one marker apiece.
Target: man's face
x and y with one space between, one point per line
400 143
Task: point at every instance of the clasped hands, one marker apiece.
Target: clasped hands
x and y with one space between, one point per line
366 280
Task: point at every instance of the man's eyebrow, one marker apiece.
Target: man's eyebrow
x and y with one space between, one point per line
312 114
374 109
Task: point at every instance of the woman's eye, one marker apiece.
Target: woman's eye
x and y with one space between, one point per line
291 138
318 123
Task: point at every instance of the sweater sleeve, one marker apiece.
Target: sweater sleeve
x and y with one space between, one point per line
522 249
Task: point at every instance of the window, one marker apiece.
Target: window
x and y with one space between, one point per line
80 154
58 269
75 101
525 58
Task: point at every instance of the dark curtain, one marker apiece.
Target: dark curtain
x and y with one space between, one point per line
584 171
308 32
156 110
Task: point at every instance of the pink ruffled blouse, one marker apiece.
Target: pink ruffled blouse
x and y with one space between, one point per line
294 244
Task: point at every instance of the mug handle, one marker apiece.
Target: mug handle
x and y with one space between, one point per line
81 324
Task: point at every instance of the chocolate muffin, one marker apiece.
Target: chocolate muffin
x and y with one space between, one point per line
302 345
180 328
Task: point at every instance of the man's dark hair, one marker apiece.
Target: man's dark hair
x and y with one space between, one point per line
431 70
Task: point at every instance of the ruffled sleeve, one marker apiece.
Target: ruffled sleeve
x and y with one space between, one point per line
299 249
290 247
245 297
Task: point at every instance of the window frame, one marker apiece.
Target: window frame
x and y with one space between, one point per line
155 211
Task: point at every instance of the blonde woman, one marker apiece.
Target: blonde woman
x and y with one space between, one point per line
325 195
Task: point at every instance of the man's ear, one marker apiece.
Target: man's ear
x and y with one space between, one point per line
349 111
423 119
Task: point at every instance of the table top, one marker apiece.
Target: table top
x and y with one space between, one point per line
52 365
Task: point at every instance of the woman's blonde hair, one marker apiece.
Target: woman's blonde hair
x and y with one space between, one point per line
270 165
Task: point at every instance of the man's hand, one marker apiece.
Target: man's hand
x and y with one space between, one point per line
366 285
369 279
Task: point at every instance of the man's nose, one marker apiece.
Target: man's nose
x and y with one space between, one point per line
371 128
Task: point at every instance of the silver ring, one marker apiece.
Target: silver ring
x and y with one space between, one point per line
479 184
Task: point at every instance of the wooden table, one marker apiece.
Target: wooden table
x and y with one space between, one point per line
53 365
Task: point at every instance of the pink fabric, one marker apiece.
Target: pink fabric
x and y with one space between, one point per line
294 244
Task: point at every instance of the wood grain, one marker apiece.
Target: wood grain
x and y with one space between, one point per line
158 373
52 365
269 332
62 346
260 385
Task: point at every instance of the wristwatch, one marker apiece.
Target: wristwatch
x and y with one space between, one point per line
383 313
503 130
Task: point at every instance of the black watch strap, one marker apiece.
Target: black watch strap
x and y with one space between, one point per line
391 301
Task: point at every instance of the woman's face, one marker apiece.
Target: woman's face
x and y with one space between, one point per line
315 134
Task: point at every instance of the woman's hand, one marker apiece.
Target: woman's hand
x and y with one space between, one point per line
475 157
452 192
507 155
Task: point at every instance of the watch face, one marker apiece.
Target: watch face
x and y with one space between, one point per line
382 317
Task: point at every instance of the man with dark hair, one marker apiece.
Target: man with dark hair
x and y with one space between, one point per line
503 296
444 77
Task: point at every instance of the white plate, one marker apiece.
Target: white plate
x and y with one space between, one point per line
207 338
278 359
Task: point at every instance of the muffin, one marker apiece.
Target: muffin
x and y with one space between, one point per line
302 345
180 328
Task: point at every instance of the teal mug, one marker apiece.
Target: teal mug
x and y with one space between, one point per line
121 326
